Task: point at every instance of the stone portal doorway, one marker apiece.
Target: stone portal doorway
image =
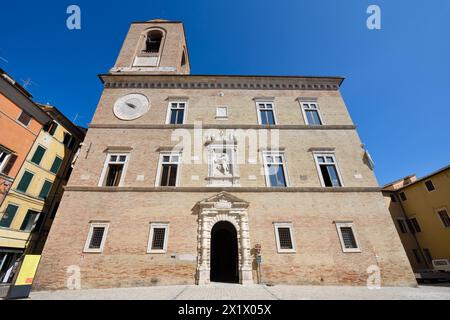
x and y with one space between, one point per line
220 218
224 253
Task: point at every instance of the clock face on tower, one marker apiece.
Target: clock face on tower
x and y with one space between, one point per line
131 107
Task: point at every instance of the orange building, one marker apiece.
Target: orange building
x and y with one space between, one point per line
20 123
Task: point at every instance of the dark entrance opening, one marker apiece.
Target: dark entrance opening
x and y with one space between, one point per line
224 253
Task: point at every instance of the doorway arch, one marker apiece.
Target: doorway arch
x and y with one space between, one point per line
224 253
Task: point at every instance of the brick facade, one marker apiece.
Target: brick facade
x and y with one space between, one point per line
312 209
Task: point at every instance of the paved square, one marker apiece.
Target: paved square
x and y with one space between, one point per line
254 292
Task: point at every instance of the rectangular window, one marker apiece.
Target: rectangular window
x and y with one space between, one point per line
38 155
24 118
46 187
69 141
56 165
95 242
430 186
222 113
114 170
275 169
7 161
347 236
403 196
266 113
169 169
328 170
285 237
8 216
413 225
30 220
445 219
51 128
402 225
4 156
25 181
177 112
428 256
393 198
417 256
311 113
158 240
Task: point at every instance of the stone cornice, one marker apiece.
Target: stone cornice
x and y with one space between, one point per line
219 126
217 190
143 81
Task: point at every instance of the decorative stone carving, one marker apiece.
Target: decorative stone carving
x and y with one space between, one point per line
223 207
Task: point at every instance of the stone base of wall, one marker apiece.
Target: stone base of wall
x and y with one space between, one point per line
319 259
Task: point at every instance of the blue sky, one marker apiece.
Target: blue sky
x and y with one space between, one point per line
397 87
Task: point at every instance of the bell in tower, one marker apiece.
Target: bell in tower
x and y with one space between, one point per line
154 47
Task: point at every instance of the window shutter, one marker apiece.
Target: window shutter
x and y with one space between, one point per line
56 165
45 190
38 155
8 216
10 164
25 181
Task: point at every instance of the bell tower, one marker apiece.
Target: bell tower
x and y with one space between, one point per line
154 47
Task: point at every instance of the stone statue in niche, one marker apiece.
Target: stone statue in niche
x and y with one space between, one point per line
222 164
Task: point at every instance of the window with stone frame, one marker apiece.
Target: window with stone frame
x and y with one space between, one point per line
348 237
168 171
444 216
328 170
285 237
311 113
177 112
266 113
114 170
275 169
158 239
96 239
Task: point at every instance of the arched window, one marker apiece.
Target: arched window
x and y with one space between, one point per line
153 42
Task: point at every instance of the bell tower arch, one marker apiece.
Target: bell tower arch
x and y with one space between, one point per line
154 47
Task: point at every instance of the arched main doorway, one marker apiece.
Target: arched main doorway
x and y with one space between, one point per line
224 253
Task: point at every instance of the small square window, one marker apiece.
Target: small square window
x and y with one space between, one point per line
430 186
284 237
222 112
403 196
95 242
348 238
24 118
158 240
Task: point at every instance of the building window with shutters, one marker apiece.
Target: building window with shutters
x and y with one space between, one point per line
168 174
45 190
30 221
402 225
114 170
413 225
7 160
25 181
24 119
158 239
348 238
328 169
177 112
285 237
8 216
444 217
38 155
56 165
96 239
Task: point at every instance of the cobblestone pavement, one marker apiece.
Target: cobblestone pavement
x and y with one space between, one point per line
255 292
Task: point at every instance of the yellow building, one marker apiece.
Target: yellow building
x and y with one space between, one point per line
420 209
28 210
